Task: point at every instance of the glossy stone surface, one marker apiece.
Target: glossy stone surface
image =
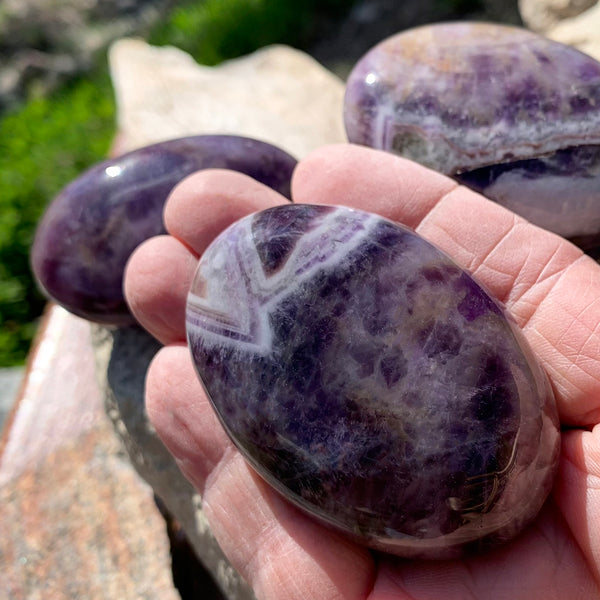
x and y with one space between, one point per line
91 228
503 110
372 381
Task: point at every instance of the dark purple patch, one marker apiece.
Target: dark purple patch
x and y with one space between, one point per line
276 232
476 302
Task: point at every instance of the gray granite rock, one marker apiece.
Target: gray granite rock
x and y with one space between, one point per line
10 380
122 357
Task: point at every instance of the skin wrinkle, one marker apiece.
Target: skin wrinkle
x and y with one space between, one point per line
524 322
562 386
551 542
180 452
479 261
486 272
288 582
471 582
586 360
272 539
547 272
260 561
523 313
594 335
415 193
565 381
467 585
520 284
585 475
578 322
430 214
219 465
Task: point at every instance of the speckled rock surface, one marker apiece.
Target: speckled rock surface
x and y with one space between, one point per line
372 381
76 520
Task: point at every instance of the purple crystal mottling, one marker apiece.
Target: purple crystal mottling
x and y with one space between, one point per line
91 228
512 114
372 381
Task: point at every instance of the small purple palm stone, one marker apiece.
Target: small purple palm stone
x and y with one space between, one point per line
507 112
90 229
372 381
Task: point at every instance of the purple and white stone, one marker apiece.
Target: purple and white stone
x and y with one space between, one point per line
90 229
372 381
503 110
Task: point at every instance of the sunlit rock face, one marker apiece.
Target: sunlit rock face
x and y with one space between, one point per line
505 111
372 381
90 229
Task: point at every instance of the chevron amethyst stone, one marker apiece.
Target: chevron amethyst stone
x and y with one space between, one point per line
372 381
503 110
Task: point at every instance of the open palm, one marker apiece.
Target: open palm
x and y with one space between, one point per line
551 289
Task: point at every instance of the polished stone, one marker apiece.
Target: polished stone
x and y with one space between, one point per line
90 229
372 381
506 111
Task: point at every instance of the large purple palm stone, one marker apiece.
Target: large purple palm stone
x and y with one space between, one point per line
372 381
505 111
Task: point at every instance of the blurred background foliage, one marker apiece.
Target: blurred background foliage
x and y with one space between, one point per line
43 145
48 139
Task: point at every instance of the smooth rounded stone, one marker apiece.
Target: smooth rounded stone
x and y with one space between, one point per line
372 381
503 110
90 229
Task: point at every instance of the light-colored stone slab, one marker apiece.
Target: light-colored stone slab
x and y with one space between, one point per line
277 94
582 31
543 15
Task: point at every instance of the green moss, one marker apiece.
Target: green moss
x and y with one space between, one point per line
42 147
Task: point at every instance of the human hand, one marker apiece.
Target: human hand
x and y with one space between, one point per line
551 289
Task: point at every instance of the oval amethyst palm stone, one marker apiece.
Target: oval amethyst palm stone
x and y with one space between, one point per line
90 229
372 381
503 110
